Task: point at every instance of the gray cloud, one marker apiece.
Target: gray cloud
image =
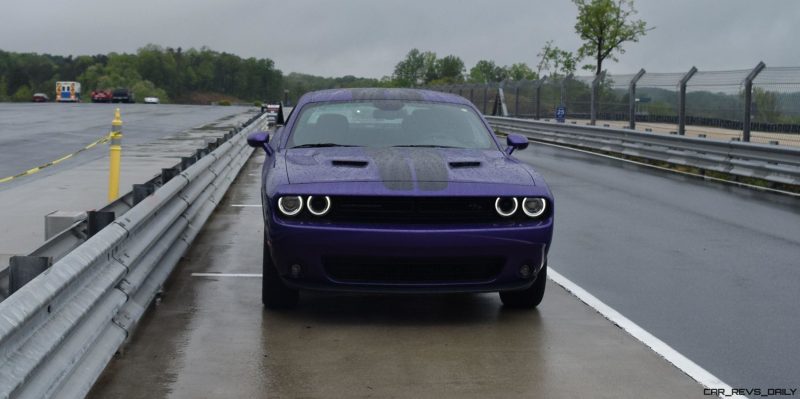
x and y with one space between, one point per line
368 37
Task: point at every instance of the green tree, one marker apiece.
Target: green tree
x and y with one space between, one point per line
450 69
521 71
766 106
604 26
486 71
417 68
22 94
555 61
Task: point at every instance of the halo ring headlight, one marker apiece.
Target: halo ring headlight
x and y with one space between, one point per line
539 206
505 213
290 205
317 212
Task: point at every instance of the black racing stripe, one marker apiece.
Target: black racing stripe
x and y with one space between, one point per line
430 169
392 167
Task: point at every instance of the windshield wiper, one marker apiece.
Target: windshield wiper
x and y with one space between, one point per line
318 145
426 146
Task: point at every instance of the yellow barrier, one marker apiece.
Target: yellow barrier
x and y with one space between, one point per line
115 156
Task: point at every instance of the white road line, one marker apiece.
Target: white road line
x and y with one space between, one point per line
246 205
680 361
226 275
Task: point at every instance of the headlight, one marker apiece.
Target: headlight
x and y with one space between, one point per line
534 207
290 205
318 205
506 206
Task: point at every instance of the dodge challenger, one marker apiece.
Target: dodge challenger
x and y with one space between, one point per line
403 191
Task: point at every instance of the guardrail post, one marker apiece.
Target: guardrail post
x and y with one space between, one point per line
632 99
97 220
748 99
167 174
23 269
682 101
594 97
141 191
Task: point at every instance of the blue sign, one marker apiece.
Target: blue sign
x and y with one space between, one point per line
561 114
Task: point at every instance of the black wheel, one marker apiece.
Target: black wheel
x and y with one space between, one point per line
528 298
274 293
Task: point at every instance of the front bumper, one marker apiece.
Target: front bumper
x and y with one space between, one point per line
416 258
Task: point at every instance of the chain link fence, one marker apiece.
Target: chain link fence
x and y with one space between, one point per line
715 105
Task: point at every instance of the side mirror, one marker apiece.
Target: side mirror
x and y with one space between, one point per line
258 139
516 142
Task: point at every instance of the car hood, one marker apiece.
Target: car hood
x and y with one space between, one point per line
402 168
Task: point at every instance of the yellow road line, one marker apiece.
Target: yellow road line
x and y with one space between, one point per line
31 171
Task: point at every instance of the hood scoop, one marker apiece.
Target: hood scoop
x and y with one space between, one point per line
464 164
349 163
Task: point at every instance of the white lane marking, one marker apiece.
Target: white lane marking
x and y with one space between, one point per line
705 177
246 205
680 361
226 275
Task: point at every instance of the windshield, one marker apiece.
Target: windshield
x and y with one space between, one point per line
389 123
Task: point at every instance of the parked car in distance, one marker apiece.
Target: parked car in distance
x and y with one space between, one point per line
101 96
403 191
40 98
151 100
122 96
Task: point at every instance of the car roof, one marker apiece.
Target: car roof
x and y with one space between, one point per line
371 94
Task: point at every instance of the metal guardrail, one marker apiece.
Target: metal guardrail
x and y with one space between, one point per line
768 162
64 242
58 332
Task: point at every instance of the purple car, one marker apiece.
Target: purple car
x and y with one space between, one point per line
399 190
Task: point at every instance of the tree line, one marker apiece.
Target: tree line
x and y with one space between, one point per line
172 74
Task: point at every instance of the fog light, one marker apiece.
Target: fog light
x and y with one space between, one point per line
295 270
525 271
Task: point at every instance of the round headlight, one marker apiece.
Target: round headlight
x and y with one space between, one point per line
506 206
290 205
534 207
318 206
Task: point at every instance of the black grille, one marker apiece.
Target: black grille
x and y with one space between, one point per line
415 210
412 270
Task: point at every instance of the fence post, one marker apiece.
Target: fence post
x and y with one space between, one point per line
538 98
485 97
516 101
594 97
682 101
472 95
632 99
748 99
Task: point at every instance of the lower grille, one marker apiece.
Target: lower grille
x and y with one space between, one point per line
399 270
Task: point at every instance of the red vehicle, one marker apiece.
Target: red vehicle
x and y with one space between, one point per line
40 98
101 96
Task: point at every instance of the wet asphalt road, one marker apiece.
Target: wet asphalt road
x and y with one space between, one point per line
33 134
712 270
211 338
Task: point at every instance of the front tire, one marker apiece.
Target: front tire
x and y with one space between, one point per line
528 298
274 293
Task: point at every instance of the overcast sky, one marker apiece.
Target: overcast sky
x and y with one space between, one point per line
368 37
